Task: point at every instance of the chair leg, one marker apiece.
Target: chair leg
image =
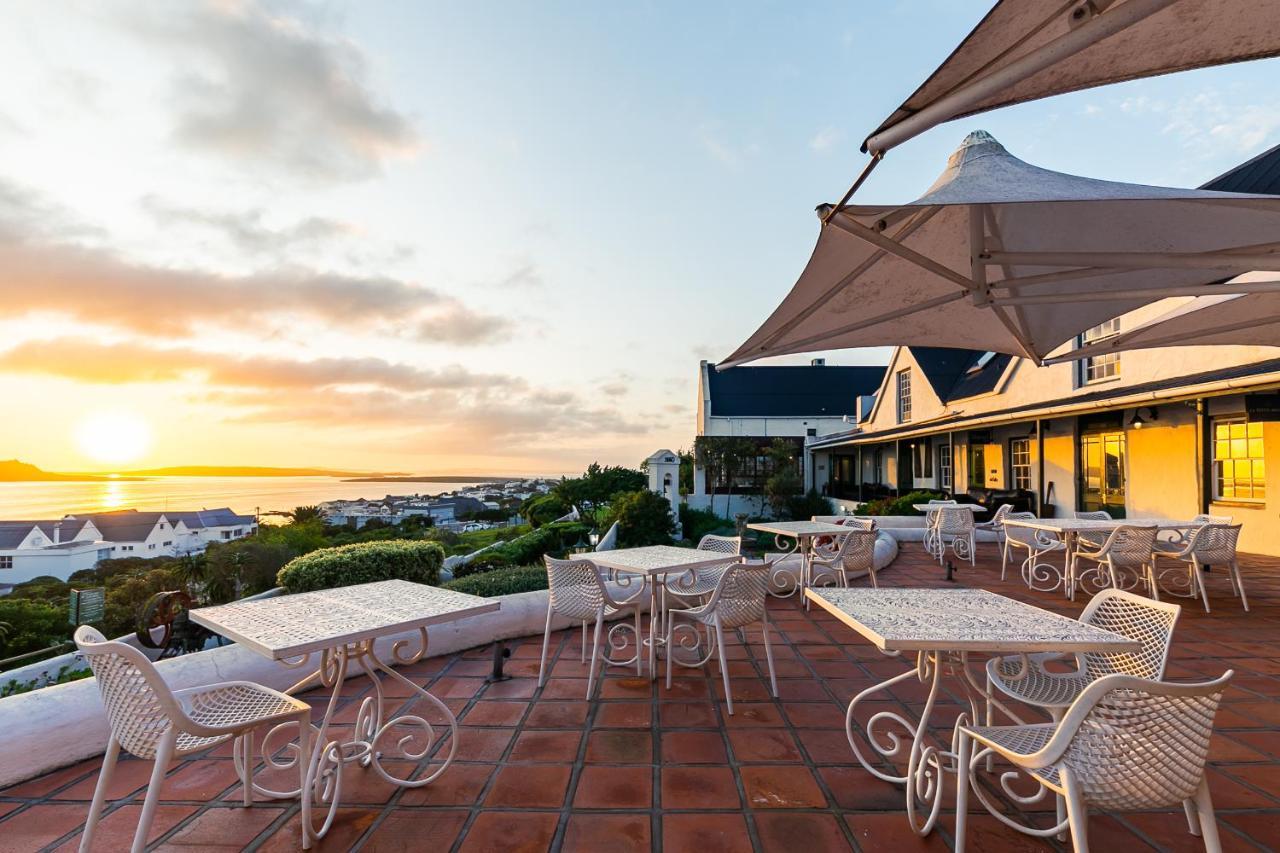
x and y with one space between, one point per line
1004 559
667 637
768 651
962 788
1197 578
546 642
163 755
100 794
304 777
640 646
246 767
724 666
1193 817
583 657
1077 816
871 570
595 654
1235 574
1208 823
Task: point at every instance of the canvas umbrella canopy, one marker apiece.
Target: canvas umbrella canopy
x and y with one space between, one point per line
1001 255
1222 319
1028 49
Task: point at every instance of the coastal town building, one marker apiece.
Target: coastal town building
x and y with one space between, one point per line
450 510
794 403
31 549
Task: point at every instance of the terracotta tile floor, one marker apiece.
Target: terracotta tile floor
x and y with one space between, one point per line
644 768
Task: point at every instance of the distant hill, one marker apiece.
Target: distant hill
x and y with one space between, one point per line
13 471
251 471
443 478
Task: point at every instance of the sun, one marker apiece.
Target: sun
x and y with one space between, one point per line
113 437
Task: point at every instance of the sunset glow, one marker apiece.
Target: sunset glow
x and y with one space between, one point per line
114 438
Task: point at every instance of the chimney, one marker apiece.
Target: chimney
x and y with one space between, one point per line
818 362
57 533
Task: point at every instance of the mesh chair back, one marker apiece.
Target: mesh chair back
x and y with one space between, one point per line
1130 546
1212 519
576 589
140 706
740 595
1027 536
997 520
1215 543
721 544
1142 744
1097 515
1149 622
860 523
857 551
954 522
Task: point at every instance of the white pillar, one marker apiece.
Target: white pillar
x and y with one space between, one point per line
664 478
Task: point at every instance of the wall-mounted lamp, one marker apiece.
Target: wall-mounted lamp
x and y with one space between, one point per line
1141 416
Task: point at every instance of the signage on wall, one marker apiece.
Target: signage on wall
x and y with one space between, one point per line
87 606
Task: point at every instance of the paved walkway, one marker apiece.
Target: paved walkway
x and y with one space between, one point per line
645 768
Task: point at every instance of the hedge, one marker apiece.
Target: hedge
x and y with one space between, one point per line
502 581
554 539
363 562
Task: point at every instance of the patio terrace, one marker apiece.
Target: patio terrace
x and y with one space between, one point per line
645 768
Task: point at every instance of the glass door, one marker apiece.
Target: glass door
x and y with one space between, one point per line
1102 466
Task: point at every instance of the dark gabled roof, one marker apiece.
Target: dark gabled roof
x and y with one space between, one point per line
126 525
955 374
200 518
13 532
1259 175
790 391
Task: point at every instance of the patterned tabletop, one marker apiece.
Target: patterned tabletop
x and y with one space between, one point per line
291 625
656 559
961 620
931 507
1064 525
798 528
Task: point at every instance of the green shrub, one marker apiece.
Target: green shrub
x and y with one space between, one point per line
362 563
644 518
901 505
554 539
505 581
544 509
806 506
696 523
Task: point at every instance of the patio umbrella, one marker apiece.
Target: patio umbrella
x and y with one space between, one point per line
1225 319
1028 49
1001 255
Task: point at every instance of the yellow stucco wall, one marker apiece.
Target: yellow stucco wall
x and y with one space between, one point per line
1161 477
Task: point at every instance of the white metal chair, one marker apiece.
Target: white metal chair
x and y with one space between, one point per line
1126 744
1004 537
1174 541
738 600
995 524
1028 679
578 592
931 525
151 721
1126 549
854 553
1092 541
954 527
692 586
1208 545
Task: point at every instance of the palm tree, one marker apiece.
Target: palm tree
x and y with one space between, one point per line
302 514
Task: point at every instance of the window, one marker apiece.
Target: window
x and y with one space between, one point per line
977 466
167 544
226 534
1100 367
151 547
1239 472
6 562
904 395
944 466
1020 463
922 459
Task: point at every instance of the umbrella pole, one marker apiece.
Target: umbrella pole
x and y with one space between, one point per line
866 173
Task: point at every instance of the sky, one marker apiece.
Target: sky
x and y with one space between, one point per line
465 237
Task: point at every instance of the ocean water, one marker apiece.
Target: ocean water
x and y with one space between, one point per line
245 495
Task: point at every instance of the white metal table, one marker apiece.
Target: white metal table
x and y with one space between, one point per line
341 626
1039 573
803 532
653 564
942 627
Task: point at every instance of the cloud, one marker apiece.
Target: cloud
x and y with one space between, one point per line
1211 121
615 389
732 155
247 230
266 88
525 275
461 326
96 286
132 362
826 139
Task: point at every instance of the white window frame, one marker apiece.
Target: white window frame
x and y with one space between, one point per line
904 399
1099 368
1257 489
1020 447
6 562
945 471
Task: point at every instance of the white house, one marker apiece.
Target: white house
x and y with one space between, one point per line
32 549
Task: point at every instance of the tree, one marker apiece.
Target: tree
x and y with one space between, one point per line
644 518
543 509
597 486
784 482
309 512
723 456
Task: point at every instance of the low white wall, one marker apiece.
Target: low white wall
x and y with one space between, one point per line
749 504
60 725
